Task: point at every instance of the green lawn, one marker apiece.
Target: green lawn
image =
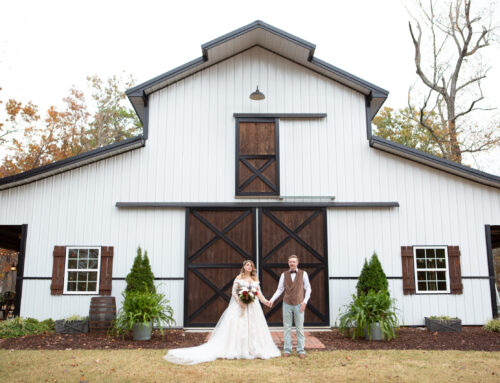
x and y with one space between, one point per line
332 366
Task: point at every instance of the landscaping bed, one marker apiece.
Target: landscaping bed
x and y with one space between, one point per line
470 338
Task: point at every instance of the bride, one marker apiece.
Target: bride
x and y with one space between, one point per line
241 332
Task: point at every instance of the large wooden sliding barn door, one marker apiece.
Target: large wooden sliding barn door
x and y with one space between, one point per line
283 232
217 243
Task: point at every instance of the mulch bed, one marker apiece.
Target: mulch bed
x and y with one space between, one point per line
471 338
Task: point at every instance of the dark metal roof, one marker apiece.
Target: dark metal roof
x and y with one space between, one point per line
138 94
435 161
71 162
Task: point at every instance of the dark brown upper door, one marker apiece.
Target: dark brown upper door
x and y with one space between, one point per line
302 232
217 243
257 159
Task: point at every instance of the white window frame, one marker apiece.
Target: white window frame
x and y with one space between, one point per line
96 292
446 270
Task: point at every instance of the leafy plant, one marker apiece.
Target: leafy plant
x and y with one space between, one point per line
74 318
143 307
140 278
366 309
492 325
17 327
372 277
442 318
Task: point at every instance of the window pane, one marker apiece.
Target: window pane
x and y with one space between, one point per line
431 275
83 264
442 286
72 276
92 286
441 275
72 264
71 286
431 263
93 264
441 263
82 277
92 276
84 253
432 286
93 253
73 253
420 253
422 286
421 276
430 253
440 253
82 286
420 263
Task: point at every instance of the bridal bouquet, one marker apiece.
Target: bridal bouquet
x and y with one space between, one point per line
247 295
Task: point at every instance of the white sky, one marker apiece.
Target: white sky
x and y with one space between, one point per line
48 46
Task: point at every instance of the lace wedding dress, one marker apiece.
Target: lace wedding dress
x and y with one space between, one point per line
239 334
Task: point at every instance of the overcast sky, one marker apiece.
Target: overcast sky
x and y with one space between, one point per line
48 46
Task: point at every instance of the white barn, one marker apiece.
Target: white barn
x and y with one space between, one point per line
217 178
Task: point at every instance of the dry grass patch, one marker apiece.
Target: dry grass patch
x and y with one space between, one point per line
344 366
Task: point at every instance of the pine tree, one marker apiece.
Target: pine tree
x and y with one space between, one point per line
147 274
133 278
364 280
378 275
372 277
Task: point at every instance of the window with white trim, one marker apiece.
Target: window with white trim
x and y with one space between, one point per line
82 270
431 269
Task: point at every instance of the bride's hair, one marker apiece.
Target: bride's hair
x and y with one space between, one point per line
253 273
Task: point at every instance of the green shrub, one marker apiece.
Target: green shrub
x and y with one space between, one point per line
366 309
372 277
143 307
492 325
17 327
140 278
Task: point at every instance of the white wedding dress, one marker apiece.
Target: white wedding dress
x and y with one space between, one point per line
239 334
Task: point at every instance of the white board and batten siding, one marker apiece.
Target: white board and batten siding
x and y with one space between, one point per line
190 157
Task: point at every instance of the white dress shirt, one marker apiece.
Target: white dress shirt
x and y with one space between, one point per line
281 287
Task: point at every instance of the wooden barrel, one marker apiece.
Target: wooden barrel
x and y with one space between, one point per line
102 312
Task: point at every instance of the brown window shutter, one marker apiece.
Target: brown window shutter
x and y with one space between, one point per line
408 270
106 279
57 285
456 286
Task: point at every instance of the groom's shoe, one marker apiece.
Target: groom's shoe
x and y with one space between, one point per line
302 356
286 354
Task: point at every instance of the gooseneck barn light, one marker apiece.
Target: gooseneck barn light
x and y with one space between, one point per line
257 95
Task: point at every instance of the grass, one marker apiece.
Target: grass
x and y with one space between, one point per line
332 366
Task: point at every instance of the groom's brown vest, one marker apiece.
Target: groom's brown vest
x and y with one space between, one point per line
294 291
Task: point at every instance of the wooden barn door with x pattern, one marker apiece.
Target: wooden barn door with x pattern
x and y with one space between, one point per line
217 243
283 232
257 157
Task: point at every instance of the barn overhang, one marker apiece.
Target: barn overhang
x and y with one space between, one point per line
265 36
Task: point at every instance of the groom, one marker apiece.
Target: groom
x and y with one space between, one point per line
295 284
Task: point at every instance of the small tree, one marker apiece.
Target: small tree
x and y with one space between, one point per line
148 274
140 278
372 277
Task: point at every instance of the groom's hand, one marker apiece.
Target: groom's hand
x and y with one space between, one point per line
302 307
270 304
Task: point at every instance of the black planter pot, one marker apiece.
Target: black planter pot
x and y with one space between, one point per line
72 326
443 325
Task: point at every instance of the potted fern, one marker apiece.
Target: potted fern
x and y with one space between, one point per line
372 316
141 311
372 312
142 307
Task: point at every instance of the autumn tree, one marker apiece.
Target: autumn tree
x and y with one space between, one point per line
68 132
448 43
